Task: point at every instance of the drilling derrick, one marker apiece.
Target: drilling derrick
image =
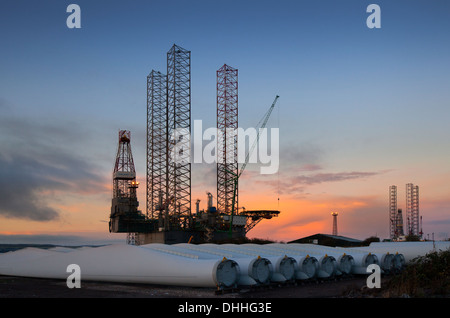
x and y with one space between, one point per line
399 224
125 216
227 124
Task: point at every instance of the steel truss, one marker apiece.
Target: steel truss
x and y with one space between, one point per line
178 132
412 209
227 143
168 141
393 211
124 172
156 143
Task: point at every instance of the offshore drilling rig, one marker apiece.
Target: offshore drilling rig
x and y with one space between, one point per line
169 217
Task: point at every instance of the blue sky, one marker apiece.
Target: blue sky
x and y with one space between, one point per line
353 99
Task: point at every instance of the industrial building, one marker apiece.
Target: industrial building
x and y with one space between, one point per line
329 240
169 217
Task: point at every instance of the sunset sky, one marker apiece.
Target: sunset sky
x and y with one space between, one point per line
360 109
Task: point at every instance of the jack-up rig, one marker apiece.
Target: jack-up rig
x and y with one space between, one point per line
169 217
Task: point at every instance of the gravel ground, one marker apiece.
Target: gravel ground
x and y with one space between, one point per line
21 287
33 295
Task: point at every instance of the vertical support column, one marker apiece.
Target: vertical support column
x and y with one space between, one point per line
412 208
408 208
415 210
178 121
227 124
392 211
156 143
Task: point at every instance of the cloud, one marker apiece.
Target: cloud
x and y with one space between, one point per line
310 167
305 154
331 177
66 239
297 181
20 192
37 165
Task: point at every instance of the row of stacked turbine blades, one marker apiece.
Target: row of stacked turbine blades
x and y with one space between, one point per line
212 265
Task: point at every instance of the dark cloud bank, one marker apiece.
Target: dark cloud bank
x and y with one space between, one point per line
36 164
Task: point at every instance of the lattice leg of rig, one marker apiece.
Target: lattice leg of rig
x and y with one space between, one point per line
227 124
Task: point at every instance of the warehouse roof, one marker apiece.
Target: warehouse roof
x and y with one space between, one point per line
329 240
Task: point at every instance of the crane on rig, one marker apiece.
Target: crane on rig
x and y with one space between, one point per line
259 213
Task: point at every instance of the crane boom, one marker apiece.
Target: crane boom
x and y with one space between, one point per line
236 178
265 119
